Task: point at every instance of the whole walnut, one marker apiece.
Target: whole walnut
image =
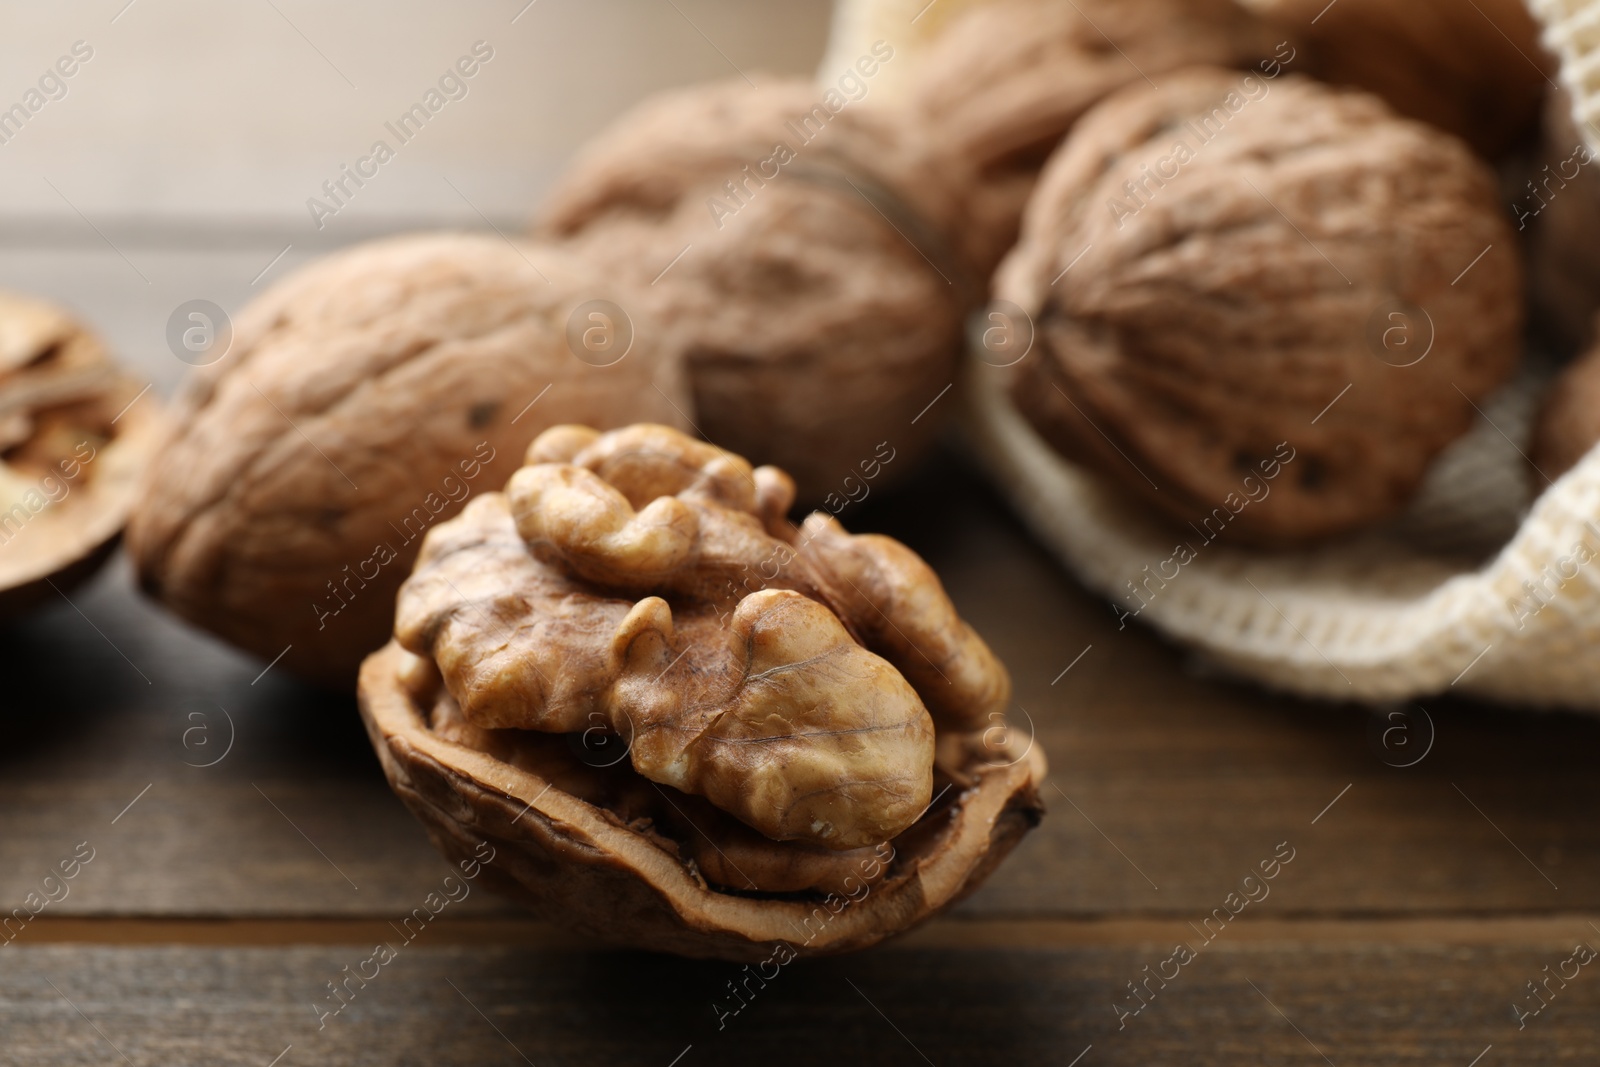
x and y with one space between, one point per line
364 399
1261 304
1005 81
790 245
74 433
1473 67
669 711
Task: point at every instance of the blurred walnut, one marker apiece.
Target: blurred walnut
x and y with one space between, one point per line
1473 67
642 593
364 399
1006 81
72 442
789 244
1282 301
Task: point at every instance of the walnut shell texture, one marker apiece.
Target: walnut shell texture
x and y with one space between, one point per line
364 399
638 594
1269 269
1475 69
1005 81
75 433
793 256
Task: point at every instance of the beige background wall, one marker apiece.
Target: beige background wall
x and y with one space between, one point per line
178 164
237 110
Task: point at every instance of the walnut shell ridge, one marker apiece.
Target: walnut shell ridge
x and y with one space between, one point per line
797 259
1256 256
364 399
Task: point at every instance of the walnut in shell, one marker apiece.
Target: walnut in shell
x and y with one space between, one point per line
790 245
364 399
1006 81
1474 68
780 711
72 442
1262 305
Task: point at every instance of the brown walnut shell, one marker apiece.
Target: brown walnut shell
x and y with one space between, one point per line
363 400
765 748
1474 68
813 304
74 434
1005 82
1281 284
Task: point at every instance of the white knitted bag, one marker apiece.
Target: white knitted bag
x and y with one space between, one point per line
1477 589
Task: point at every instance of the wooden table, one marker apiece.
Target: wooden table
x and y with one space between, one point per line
221 899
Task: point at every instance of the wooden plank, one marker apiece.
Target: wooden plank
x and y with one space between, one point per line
1164 776
115 708
946 932
1271 1004
1188 781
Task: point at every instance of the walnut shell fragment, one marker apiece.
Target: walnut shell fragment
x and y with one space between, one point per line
1005 82
364 399
791 246
74 434
1475 69
1260 304
637 596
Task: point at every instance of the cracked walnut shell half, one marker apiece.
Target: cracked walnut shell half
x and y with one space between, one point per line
1233 276
684 722
74 434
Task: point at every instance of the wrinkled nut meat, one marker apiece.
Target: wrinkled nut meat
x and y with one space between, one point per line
748 706
1568 423
1269 323
1004 82
791 255
1473 68
363 400
647 581
72 441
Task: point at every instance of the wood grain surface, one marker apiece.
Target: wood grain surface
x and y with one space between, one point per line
1297 1004
246 849
1167 786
